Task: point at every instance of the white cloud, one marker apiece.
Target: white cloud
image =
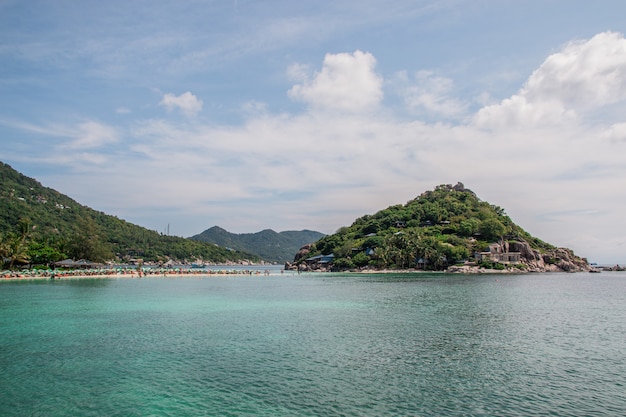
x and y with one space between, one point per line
585 75
347 82
429 93
253 107
298 72
616 132
85 135
186 103
92 135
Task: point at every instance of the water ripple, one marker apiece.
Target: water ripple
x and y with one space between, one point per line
356 346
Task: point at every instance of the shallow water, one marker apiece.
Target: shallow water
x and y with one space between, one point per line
308 345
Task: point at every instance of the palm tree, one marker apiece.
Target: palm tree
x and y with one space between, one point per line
430 251
14 246
14 249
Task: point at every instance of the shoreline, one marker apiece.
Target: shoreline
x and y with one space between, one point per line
208 273
131 274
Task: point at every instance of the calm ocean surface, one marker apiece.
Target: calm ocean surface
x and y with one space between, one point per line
315 345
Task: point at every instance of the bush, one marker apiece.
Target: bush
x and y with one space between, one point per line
360 259
492 265
343 263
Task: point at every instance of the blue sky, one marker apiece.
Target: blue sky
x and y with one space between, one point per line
306 115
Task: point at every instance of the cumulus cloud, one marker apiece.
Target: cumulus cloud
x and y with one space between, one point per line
346 82
186 103
584 75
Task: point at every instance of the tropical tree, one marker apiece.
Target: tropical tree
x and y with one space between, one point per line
43 254
14 245
492 229
87 244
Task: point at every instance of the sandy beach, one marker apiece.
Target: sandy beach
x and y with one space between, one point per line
124 273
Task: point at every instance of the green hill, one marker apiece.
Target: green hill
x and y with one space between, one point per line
41 225
267 244
443 227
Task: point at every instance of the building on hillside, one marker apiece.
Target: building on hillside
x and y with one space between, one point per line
320 259
496 253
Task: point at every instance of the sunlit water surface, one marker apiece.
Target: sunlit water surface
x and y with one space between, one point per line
311 345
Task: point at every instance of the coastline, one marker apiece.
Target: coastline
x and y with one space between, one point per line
118 273
131 274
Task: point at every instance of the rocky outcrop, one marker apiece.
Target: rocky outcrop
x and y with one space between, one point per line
526 252
531 260
303 252
301 255
555 260
565 260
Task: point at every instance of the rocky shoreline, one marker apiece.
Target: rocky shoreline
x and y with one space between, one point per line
531 261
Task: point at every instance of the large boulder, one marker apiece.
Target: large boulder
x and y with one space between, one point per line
303 253
526 252
555 260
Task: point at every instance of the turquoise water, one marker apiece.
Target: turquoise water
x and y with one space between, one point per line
315 345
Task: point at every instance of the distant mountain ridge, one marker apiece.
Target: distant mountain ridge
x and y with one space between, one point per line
267 244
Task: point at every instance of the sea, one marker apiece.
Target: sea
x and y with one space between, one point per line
321 344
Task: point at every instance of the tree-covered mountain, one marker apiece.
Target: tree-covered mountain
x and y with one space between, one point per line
446 226
267 244
41 225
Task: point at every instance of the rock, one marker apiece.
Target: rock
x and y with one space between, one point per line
526 252
302 253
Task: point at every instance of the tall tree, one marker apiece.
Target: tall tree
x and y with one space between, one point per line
14 245
87 244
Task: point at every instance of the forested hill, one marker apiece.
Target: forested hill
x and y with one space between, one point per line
443 227
269 245
41 225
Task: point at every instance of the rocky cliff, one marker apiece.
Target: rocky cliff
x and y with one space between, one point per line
531 260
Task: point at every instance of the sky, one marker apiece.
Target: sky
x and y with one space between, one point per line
251 115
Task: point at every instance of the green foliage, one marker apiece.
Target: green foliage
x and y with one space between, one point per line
40 253
373 242
360 259
343 263
67 228
440 227
492 265
14 245
492 229
267 244
469 227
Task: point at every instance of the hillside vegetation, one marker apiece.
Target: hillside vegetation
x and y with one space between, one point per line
267 244
442 227
39 225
